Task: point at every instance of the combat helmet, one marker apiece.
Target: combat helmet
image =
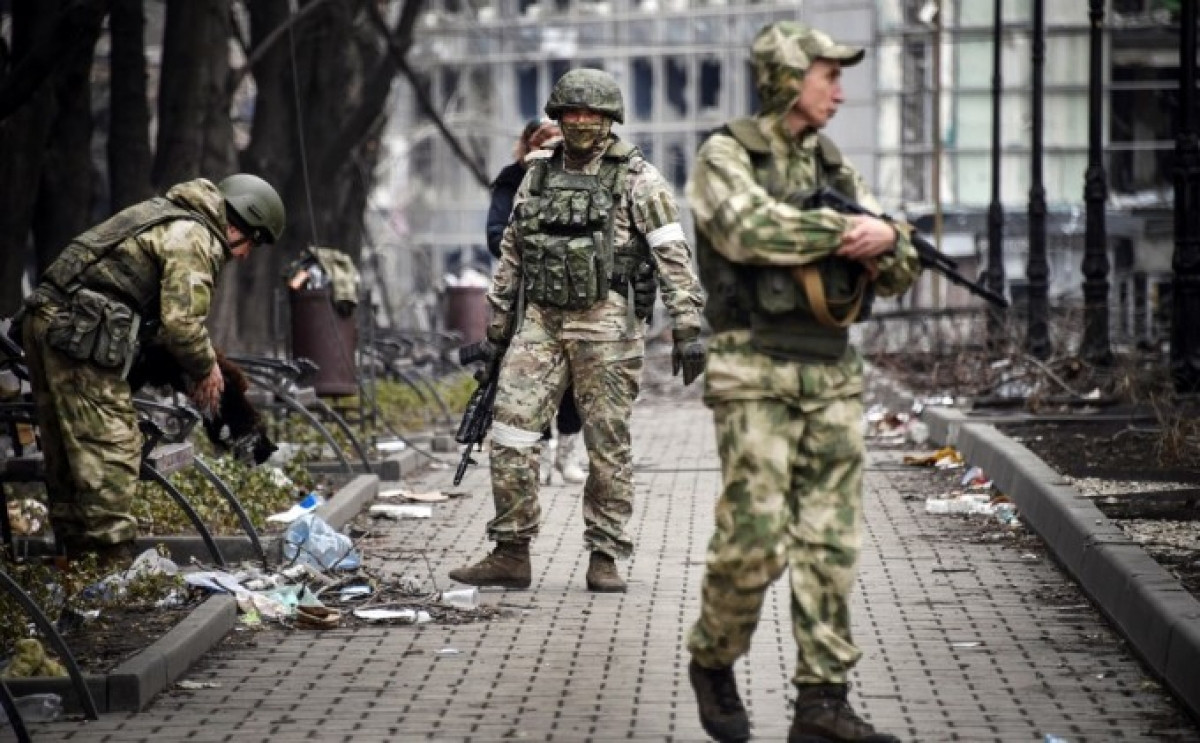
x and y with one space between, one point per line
254 207
595 90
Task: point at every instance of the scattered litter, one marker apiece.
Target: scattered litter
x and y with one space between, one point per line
195 685
961 504
1029 556
433 496
390 446
392 511
945 458
308 505
1052 738
461 598
310 539
355 592
403 616
966 644
38 708
974 478
317 617
448 651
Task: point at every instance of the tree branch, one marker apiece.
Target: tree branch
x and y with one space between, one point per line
399 53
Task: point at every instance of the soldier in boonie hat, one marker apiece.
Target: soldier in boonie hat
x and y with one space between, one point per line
783 51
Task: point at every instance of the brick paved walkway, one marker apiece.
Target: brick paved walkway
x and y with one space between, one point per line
960 638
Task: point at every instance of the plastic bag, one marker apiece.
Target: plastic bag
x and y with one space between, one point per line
311 540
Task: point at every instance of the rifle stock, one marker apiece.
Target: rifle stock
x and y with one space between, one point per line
929 255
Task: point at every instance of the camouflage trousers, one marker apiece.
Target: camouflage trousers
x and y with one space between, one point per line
90 442
792 498
535 373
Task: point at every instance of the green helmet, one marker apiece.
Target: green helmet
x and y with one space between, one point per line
253 206
594 90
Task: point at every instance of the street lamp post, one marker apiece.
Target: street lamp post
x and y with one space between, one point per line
1185 288
995 218
1096 347
1037 270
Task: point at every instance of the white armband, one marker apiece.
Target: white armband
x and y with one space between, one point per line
667 233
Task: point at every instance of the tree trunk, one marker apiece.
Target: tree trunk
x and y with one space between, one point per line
24 135
129 158
64 206
194 135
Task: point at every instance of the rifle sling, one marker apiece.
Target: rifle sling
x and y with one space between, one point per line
810 279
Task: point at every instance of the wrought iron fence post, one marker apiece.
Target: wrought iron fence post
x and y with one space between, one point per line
1037 270
1185 285
1096 343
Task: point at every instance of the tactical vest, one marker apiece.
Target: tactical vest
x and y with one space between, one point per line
566 232
774 303
82 264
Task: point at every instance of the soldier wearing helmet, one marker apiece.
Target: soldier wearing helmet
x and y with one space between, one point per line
145 275
587 221
784 382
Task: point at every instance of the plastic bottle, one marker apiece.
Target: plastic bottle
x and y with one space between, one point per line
38 708
311 540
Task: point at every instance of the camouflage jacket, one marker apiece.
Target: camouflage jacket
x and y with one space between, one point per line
747 225
648 208
166 273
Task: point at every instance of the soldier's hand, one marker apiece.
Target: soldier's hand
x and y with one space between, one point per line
207 392
645 290
867 237
687 357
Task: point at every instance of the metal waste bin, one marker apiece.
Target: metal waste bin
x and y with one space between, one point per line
327 338
467 312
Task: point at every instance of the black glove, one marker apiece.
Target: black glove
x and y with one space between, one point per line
688 356
645 291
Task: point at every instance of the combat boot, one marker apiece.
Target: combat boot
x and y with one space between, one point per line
823 715
602 575
506 567
721 710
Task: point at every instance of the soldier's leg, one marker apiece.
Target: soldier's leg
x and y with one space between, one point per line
532 380
756 440
99 438
824 551
606 376
65 516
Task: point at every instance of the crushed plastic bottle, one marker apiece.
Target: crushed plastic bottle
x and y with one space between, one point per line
311 540
37 708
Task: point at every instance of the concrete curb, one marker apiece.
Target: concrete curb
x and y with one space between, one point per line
1147 604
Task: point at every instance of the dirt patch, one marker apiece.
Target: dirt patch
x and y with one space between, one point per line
119 633
1133 476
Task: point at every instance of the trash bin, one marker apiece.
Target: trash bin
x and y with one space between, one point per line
467 312
327 338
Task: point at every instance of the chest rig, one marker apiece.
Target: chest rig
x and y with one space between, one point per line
570 256
800 314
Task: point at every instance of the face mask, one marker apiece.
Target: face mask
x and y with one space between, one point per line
583 137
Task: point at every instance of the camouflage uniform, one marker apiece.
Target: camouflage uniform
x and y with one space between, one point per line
599 347
788 424
85 412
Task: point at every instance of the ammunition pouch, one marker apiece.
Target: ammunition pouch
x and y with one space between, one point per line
94 328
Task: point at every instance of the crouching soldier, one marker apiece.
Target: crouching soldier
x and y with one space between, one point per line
148 270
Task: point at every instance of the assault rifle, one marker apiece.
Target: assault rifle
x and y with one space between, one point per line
477 418
930 256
